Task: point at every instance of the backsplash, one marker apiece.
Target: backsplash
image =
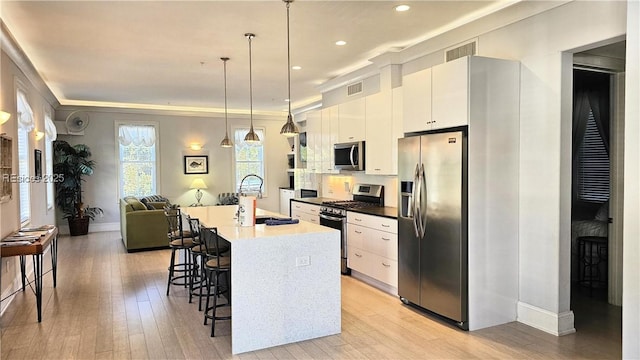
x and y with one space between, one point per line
340 186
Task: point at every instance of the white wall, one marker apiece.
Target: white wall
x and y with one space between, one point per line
10 219
176 133
631 227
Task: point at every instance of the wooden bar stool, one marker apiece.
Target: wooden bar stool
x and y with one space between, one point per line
178 240
217 267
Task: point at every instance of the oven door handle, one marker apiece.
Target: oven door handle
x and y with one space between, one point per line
332 218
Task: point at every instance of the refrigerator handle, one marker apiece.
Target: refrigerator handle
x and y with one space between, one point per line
353 147
423 210
414 194
417 214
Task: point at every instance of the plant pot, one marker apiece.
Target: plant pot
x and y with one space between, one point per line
79 226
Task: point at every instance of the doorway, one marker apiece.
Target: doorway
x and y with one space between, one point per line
597 190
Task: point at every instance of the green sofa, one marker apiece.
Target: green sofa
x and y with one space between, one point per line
141 228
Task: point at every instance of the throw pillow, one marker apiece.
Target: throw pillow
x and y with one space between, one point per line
155 198
136 205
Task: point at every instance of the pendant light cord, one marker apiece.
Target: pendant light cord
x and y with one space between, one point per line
250 36
288 58
226 124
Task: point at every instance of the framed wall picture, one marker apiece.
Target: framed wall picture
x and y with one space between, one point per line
37 159
196 164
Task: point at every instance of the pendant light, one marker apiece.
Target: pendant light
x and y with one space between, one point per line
226 142
251 136
289 129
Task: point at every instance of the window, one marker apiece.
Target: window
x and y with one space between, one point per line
137 168
593 165
249 159
25 125
50 136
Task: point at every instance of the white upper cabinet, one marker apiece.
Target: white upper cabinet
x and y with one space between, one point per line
416 103
450 94
330 123
384 119
314 141
352 121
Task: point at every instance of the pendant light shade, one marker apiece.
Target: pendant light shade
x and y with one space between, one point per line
289 129
226 142
251 136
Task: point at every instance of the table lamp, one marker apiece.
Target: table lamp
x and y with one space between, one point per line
198 184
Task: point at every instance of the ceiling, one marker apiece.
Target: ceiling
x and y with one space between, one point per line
161 53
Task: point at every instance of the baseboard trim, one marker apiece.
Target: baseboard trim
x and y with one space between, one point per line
545 320
374 282
93 228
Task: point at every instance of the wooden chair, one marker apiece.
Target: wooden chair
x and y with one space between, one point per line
216 267
178 240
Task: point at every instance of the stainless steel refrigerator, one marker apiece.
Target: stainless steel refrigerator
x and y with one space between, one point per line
432 223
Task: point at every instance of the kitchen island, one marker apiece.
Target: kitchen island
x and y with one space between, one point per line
285 279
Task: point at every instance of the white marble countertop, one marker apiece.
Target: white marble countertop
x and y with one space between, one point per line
223 217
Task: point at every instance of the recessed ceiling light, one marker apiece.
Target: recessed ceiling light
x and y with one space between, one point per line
341 42
401 8
296 67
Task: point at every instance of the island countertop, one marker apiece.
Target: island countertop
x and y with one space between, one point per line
285 279
224 218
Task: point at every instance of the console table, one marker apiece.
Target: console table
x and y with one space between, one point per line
36 249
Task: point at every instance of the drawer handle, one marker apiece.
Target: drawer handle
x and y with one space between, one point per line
385 225
357 232
384 238
386 265
356 219
358 255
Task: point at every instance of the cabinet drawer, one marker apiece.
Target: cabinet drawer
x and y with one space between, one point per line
374 266
357 260
372 221
381 243
297 214
356 235
384 269
305 208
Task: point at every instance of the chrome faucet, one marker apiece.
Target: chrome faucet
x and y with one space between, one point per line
243 191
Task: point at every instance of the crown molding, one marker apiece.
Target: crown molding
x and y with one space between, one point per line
144 109
10 46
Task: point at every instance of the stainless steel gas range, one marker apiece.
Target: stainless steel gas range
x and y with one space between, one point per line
334 213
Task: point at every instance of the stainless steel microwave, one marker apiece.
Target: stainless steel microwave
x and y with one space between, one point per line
349 156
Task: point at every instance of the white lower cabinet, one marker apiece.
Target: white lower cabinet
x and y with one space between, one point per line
285 196
372 247
305 212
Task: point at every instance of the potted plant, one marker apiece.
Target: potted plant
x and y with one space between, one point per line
71 164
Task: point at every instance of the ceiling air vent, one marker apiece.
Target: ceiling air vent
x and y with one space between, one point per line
354 89
461 51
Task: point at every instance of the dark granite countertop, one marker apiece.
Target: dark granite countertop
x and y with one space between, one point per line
385 211
313 200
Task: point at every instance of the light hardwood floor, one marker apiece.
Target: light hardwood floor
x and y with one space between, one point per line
112 305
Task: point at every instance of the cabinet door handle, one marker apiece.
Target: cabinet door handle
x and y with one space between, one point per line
386 265
384 238
356 219
376 169
350 137
358 255
357 232
385 225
